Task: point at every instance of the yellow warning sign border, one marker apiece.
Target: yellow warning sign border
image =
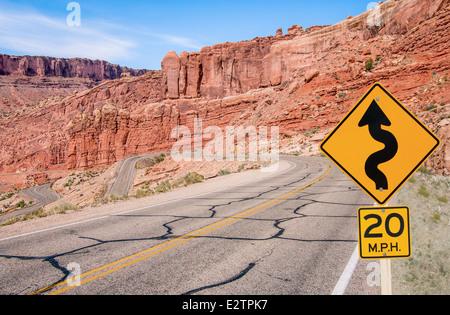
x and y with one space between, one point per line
407 230
394 191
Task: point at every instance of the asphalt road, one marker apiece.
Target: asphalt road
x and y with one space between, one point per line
126 175
293 233
43 194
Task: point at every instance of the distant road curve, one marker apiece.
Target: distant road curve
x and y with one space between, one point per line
126 175
44 196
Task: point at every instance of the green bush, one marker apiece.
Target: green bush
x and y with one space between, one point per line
369 64
156 160
20 204
224 172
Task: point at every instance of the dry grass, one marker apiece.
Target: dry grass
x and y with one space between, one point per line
61 208
427 271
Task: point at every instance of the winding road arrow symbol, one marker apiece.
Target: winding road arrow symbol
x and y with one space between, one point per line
375 118
379 122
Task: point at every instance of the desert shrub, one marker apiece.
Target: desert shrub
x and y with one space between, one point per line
423 191
156 160
188 179
20 204
224 172
193 178
369 64
424 170
163 186
63 207
442 199
311 132
141 193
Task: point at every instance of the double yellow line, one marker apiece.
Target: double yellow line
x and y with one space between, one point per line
131 260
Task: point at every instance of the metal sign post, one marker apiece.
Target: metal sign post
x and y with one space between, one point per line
386 277
385 273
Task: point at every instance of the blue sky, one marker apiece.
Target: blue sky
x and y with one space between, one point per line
138 34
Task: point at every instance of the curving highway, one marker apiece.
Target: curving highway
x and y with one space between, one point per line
43 194
125 177
292 233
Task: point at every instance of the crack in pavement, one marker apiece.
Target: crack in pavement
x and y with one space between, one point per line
234 278
259 195
238 276
53 259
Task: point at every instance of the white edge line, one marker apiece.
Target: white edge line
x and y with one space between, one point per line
143 208
341 285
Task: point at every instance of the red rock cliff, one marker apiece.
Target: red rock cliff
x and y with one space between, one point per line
97 70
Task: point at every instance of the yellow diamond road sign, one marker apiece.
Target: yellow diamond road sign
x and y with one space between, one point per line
379 144
384 233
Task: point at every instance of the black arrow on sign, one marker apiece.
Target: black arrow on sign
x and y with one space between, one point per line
375 118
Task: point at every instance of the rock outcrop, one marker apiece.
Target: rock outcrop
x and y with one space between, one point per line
215 72
97 70
26 81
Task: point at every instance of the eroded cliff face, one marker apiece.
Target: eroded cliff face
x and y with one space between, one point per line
215 72
97 70
234 68
27 81
302 81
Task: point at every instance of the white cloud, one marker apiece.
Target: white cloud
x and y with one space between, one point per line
36 34
33 33
166 38
180 41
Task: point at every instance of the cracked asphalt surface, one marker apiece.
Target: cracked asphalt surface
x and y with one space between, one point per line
299 244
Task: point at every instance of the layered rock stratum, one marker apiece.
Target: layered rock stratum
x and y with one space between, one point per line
27 80
41 66
303 81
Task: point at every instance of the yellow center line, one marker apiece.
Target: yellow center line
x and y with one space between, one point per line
132 259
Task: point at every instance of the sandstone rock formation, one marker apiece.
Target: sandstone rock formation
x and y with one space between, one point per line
96 70
26 81
303 81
